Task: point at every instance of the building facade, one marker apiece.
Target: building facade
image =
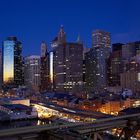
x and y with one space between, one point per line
101 39
115 66
96 62
85 50
130 49
68 64
44 69
90 70
32 72
12 65
130 78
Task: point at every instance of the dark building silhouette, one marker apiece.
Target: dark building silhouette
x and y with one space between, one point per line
115 65
90 70
44 68
85 50
117 47
130 49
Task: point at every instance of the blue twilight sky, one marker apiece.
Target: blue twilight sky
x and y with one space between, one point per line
35 20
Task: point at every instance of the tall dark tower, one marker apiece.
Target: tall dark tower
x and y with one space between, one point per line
12 70
44 68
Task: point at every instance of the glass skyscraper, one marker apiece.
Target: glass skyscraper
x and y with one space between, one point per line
12 62
8 61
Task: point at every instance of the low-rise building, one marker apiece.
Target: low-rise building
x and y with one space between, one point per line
18 111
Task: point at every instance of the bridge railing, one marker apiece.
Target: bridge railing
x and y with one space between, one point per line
37 129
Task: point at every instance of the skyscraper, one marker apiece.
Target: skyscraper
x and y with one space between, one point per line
85 50
115 65
74 67
44 69
58 47
130 78
68 63
101 39
32 72
90 70
96 60
130 49
12 63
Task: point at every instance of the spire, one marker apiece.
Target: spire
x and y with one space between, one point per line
43 49
61 28
78 39
61 35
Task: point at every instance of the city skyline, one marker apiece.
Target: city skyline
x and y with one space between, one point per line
40 22
69 69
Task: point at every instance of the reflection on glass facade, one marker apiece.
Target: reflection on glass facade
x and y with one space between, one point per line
12 66
8 61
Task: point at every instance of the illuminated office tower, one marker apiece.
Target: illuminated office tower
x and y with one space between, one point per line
102 45
32 72
96 62
58 48
44 69
12 63
68 64
101 39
